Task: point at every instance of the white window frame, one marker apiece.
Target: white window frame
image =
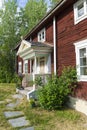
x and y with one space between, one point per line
40 35
80 45
84 16
25 62
20 67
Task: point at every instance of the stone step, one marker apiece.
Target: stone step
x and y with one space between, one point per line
12 114
19 122
25 91
28 128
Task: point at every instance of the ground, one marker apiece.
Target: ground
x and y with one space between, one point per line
65 119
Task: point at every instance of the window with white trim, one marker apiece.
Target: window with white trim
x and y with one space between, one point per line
80 11
42 35
81 59
19 67
26 66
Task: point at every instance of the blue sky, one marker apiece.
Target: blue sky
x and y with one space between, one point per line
22 3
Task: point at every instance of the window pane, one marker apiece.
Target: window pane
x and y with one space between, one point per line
43 35
82 52
80 9
26 68
83 70
40 37
20 68
83 61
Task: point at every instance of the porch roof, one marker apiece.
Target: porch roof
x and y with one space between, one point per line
28 50
40 44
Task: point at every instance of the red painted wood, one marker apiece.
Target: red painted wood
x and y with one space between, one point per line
67 35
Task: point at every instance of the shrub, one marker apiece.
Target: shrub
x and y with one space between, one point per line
38 81
18 80
32 103
55 93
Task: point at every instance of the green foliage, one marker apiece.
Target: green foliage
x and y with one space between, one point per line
8 40
32 103
32 14
13 25
55 93
38 81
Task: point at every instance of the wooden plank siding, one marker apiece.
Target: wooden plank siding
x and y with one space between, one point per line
49 32
67 34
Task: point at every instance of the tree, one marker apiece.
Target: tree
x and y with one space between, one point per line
8 39
13 24
32 14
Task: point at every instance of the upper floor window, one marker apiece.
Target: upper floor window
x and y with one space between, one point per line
81 60
80 10
42 35
19 67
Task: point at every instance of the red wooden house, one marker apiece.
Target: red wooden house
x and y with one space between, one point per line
59 39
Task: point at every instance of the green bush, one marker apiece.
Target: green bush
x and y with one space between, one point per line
32 103
55 93
38 81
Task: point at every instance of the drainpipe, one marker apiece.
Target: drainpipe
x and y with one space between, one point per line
54 41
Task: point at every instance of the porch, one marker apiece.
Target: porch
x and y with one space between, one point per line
36 62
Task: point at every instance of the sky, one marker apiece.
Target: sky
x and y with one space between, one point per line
22 3
1 3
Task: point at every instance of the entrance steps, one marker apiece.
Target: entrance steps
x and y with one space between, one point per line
24 91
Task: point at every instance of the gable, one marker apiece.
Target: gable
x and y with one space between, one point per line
24 45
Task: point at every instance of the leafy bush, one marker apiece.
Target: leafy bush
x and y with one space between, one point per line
38 81
18 80
5 77
55 93
32 103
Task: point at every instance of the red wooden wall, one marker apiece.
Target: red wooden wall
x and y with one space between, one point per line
67 35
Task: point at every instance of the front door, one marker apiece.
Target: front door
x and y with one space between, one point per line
42 65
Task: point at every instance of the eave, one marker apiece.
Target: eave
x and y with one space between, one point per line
50 14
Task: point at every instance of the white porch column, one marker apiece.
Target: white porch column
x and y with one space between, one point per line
30 66
35 67
54 41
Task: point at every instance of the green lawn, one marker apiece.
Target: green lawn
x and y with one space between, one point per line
65 119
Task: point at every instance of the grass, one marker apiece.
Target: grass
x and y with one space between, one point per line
65 119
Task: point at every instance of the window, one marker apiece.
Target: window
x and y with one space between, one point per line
80 10
81 59
41 35
26 66
20 67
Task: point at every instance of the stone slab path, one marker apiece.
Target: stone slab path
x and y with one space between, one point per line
10 114
28 128
12 105
19 122
18 96
16 118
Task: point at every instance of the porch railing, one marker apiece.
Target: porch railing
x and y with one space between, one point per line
31 77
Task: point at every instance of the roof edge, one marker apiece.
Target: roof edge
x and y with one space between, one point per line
52 11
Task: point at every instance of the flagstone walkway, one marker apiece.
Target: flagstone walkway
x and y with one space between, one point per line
16 118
